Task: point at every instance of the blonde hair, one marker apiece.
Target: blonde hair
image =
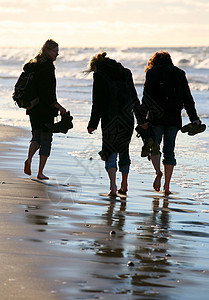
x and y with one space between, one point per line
43 53
158 58
94 60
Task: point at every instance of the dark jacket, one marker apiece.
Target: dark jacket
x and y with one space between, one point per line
106 105
44 111
114 100
166 93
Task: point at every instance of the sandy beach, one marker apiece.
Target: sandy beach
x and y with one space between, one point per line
64 239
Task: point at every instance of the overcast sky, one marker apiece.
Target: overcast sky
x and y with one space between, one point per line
99 23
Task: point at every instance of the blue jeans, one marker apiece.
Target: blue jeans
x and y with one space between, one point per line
124 162
168 134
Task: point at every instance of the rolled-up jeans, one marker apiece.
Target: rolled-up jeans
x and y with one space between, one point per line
168 134
44 140
124 162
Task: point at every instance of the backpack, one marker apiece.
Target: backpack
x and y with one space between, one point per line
25 92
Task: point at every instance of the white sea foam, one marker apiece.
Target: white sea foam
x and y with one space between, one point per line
73 85
74 89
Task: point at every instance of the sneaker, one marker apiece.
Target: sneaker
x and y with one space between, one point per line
197 129
147 147
193 128
155 149
186 128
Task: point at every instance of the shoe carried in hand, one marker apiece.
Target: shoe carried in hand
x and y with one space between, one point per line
193 128
62 126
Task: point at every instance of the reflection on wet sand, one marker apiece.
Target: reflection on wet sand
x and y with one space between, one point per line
152 268
149 252
32 217
116 220
155 272
36 219
97 237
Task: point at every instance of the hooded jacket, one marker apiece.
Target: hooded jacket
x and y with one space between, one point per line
108 104
166 88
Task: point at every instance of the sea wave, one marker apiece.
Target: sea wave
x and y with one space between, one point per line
74 87
196 57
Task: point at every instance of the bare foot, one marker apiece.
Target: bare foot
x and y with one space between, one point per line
112 194
166 192
27 165
113 191
122 191
42 177
157 181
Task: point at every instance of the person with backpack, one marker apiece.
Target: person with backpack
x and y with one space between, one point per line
114 100
46 109
166 87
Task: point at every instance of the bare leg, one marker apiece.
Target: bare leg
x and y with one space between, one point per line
168 169
42 162
156 164
33 147
124 183
112 176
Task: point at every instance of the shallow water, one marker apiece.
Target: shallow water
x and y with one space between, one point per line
166 238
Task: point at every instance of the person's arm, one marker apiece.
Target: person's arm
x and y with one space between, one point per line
139 113
189 103
60 108
96 110
47 84
50 89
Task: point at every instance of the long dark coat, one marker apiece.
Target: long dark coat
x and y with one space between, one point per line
114 102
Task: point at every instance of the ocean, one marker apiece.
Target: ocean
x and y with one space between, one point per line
179 274
74 93
74 89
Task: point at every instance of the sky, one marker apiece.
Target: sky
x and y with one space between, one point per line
109 23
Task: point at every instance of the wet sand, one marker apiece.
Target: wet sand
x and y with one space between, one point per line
20 260
57 239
